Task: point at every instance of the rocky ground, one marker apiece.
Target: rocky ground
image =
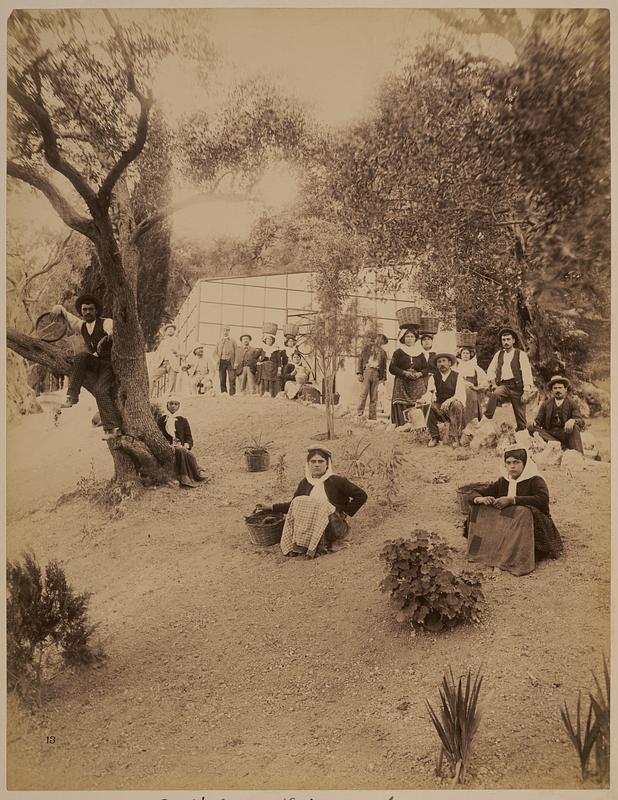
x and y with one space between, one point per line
230 666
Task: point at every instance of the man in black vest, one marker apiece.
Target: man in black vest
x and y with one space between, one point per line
446 392
559 418
511 375
95 361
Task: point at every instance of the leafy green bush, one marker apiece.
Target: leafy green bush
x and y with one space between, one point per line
47 626
425 593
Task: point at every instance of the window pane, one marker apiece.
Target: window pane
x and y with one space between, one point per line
299 280
253 316
275 298
210 312
231 293
299 299
254 296
276 280
259 281
209 334
231 315
386 308
211 291
277 315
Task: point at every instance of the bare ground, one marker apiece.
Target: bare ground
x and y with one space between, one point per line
233 667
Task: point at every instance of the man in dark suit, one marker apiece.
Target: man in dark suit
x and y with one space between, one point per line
559 418
247 365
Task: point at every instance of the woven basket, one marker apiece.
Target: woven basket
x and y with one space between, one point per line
270 328
411 315
430 324
51 327
466 338
465 494
257 460
265 528
290 329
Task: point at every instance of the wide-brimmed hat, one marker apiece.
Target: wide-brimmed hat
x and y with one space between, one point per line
246 336
87 298
512 331
170 325
450 356
558 379
408 329
198 347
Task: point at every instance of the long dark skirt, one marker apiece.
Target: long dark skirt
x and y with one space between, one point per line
188 471
512 539
269 382
473 409
406 392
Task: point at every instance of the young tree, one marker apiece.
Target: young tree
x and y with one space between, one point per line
80 116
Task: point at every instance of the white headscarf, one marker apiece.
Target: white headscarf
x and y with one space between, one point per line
530 470
269 349
319 492
170 419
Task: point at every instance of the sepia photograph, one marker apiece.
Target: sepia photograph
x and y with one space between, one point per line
308 348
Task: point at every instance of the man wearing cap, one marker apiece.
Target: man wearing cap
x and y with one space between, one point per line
198 370
226 361
559 418
94 361
371 371
247 365
167 359
446 394
426 361
511 375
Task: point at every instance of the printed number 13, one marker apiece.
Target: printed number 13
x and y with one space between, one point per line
51 740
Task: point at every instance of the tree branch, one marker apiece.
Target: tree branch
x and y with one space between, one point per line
50 145
57 356
146 224
53 262
145 102
60 204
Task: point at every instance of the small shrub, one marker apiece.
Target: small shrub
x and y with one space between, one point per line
424 591
47 626
458 721
280 470
380 471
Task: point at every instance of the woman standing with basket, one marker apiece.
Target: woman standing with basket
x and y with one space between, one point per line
409 383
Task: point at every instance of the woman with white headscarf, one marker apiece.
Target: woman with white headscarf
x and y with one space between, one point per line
510 523
409 384
317 514
177 431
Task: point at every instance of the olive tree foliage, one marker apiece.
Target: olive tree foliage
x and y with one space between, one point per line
489 180
80 114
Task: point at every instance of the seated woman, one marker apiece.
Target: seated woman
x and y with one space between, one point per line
316 515
476 381
177 431
409 384
510 522
292 371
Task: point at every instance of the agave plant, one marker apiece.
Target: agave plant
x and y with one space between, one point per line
458 721
582 738
600 705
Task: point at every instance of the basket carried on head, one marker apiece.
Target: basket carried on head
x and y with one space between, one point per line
265 527
290 329
269 328
430 324
466 338
467 492
411 315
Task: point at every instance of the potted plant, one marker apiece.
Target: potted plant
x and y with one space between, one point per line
257 455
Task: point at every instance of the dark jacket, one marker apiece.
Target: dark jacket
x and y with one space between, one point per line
400 363
420 364
532 492
289 371
248 358
342 493
183 430
570 410
365 355
278 357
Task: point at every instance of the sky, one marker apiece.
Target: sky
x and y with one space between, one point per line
332 60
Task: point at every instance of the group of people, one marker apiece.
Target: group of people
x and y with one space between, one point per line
451 388
235 366
510 523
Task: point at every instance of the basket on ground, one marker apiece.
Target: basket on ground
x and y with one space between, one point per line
290 329
467 492
411 315
430 324
466 338
258 459
269 328
265 527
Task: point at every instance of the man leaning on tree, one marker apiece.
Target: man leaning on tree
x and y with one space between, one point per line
510 376
93 363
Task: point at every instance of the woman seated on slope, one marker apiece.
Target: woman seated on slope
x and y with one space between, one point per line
317 514
510 521
177 431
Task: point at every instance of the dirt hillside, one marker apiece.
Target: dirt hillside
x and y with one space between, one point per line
231 666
